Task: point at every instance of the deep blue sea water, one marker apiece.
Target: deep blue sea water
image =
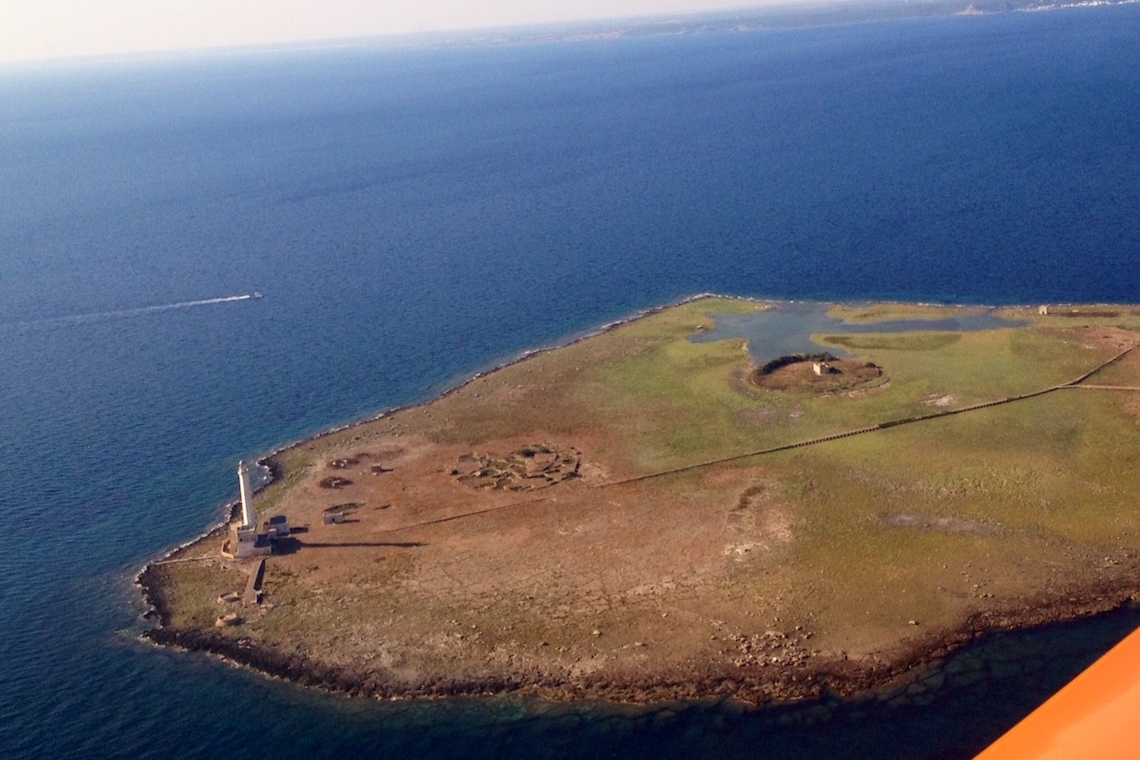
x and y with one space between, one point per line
415 215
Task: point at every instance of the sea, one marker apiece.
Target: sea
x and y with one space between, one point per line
412 214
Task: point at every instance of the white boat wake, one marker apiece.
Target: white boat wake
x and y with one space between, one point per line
99 316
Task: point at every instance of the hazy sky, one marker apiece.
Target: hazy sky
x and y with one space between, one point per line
31 29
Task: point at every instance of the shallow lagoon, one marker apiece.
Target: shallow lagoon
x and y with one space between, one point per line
787 328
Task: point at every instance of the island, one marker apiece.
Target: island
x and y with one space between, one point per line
723 498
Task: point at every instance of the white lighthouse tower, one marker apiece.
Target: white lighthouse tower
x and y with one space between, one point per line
245 541
248 518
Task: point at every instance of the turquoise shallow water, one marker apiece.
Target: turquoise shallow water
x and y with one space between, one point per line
414 216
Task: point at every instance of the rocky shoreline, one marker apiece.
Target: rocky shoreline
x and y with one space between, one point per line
800 679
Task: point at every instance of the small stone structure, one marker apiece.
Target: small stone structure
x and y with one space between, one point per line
251 597
277 527
527 469
225 621
821 368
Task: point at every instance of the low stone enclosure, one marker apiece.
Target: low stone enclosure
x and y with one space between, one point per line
821 372
526 469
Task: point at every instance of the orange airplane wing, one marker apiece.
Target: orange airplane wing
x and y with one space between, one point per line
1097 715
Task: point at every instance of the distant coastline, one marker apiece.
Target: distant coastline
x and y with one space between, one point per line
791 15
